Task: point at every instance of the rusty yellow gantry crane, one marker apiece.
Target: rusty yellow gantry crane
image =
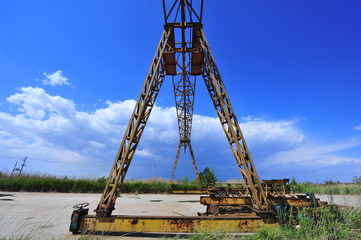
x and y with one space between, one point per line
184 53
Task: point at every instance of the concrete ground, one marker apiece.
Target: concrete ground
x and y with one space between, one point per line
47 215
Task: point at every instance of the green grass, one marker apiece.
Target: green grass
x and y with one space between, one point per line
327 188
49 183
331 223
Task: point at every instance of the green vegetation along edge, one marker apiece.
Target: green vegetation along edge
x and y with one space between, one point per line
48 183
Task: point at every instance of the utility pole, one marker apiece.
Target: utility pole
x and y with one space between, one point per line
14 169
23 165
154 170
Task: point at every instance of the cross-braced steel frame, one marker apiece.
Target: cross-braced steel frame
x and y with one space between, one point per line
184 92
182 59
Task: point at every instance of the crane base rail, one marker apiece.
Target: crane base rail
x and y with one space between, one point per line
243 223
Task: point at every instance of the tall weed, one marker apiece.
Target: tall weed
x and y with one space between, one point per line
330 222
329 187
48 183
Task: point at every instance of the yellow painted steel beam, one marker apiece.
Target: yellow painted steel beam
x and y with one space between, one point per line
225 200
188 192
177 224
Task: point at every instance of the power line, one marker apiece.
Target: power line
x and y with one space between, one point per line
71 163
88 163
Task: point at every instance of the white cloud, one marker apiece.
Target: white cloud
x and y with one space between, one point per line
55 78
318 155
36 103
49 127
358 128
274 135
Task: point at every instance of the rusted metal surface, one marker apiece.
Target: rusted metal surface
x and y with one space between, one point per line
169 55
207 200
228 190
135 128
231 127
179 224
234 201
188 192
276 186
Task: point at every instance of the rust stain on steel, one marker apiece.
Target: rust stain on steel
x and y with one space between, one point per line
242 224
179 224
182 224
292 201
134 221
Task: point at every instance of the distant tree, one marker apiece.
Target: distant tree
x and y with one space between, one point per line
331 182
185 179
293 185
208 176
102 180
356 179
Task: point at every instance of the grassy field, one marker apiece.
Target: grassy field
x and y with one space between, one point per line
49 183
331 223
329 187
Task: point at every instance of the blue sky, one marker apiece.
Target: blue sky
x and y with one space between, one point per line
70 71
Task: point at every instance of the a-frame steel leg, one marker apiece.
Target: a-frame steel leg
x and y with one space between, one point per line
176 162
186 144
194 164
135 128
230 125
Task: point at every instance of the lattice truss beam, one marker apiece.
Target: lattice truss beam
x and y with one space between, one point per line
135 128
183 59
179 64
184 91
231 127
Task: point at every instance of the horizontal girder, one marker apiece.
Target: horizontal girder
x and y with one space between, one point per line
176 224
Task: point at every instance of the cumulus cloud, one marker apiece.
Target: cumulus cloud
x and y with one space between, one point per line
319 155
273 136
36 103
53 120
55 78
358 128
48 127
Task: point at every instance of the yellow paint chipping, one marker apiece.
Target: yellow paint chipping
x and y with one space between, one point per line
175 224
